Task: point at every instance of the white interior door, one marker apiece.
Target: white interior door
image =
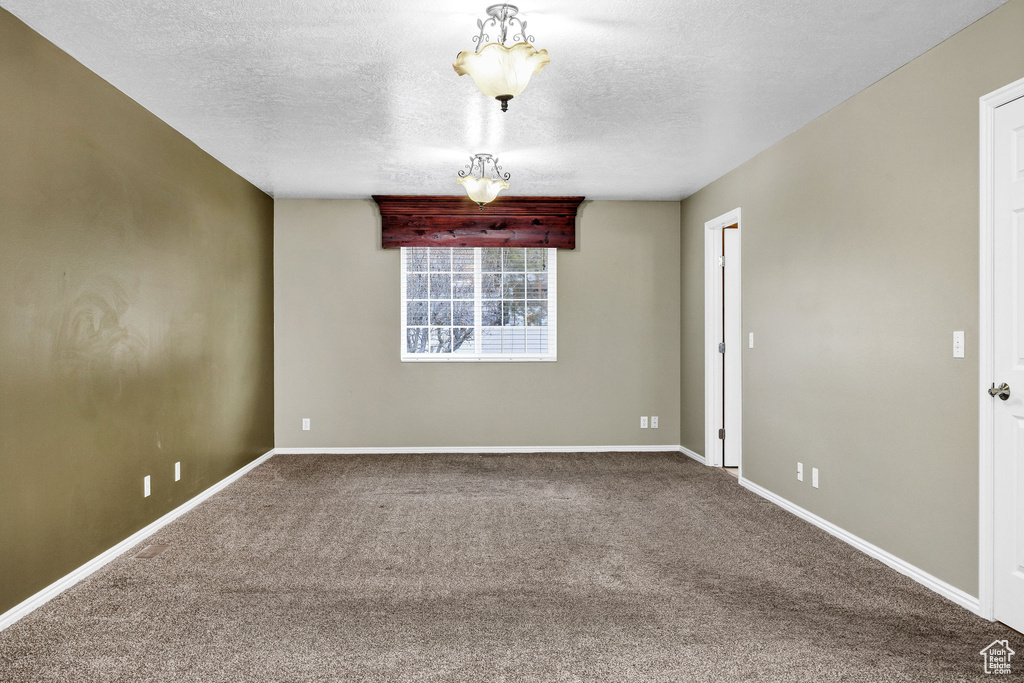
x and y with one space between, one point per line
731 336
722 337
1008 364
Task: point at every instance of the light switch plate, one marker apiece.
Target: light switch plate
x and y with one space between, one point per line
751 340
814 477
145 487
654 421
958 344
799 471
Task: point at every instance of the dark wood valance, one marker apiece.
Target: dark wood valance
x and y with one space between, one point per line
443 221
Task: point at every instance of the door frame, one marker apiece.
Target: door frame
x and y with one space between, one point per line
987 106
713 455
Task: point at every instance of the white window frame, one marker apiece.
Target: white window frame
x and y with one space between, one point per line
478 357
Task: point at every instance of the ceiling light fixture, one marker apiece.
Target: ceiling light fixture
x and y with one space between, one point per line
498 71
479 185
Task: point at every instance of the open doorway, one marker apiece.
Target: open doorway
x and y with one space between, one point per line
722 340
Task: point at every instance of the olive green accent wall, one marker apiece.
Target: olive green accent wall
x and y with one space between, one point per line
860 259
136 313
338 334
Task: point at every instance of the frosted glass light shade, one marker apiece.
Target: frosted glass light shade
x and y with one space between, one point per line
499 71
482 190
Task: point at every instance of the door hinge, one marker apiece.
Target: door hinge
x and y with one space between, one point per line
721 434
721 347
721 261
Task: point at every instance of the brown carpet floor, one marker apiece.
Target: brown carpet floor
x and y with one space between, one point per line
553 567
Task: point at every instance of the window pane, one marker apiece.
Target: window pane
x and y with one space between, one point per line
536 340
513 340
490 340
515 313
513 260
537 286
503 340
490 285
490 313
416 287
491 260
536 313
416 339
462 313
514 286
416 259
416 313
440 312
440 286
440 340
462 260
440 259
536 260
462 340
462 286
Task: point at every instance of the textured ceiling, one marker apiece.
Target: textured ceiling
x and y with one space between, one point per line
648 99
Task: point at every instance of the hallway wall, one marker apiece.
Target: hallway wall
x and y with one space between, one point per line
860 259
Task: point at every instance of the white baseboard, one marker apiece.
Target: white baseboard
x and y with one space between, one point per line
696 456
60 585
475 449
944 589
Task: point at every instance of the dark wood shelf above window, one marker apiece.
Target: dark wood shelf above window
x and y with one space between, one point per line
444 221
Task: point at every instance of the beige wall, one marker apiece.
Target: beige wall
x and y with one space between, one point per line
860 258
337 344
135 316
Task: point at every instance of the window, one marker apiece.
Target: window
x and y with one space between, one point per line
482 303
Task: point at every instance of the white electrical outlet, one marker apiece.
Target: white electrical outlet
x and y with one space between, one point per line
145 487
305 424
799 471
958 344
654 421
643 422
751 340
814 477
177 471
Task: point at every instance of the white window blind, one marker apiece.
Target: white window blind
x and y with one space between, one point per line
478 304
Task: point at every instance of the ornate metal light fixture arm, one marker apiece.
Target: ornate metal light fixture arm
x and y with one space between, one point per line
481 39
497 171
521 36
469 169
